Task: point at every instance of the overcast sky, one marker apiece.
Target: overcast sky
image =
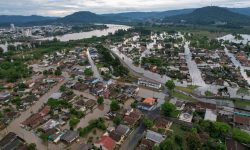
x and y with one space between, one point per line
65 7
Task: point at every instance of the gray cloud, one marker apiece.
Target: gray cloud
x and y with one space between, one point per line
65 7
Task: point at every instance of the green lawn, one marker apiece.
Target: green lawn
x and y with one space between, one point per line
241 103
183 97
189 89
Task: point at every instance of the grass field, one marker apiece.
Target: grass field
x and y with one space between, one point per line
183 97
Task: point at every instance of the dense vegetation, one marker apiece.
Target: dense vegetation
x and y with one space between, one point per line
110 60
14 70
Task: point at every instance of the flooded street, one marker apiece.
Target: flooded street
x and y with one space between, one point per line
29 136
195 73
238 64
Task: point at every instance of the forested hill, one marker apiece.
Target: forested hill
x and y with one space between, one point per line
210 15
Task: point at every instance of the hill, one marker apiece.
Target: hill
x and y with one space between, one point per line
8 19
210 15
84 17
150 15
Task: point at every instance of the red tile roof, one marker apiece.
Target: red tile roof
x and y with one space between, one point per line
242 120
44 111
107 142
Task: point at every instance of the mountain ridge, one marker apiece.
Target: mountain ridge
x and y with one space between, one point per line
210 15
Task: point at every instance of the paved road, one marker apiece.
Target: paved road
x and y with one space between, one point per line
29 136
133 139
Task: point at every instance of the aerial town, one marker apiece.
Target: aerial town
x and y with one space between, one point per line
123 87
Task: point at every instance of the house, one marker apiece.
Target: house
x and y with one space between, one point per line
119 133
149 84
49 125
241 121
92 81
33 121
146 144
70 136
4 96
161 123
132 117
210 115
56 95
11 141
148 104
179 105
55 137
90 104
154 136
105 143
203 106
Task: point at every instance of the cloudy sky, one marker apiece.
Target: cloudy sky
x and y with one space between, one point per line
65 7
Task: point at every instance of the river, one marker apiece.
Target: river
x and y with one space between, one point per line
112 28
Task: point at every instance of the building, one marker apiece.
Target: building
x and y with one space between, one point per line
4 96
70 136
210 115
148 104
154 136
105 143
11 141
149 84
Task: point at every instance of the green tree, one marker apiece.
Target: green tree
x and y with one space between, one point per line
114 106
58 72
1 51
170 85
242 92
88 72
220 129
117 120
31 146
63 88
168 108
167 144
178 140
73 122
193 141
148 122
100 100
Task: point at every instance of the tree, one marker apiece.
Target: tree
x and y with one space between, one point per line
193 141
31 146
73 122
117 120
167 144
168 108
58 72
1 51
100 100
242 92
63 88
88 72
178 140
114 106
220 129
148 122
170 85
